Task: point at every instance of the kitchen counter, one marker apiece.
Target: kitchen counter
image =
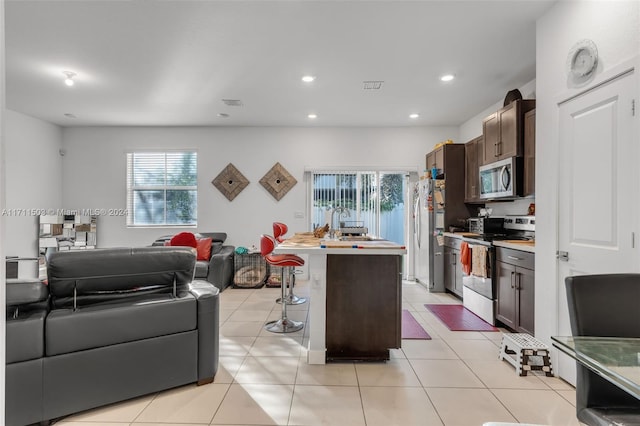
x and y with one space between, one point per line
528 246
346 282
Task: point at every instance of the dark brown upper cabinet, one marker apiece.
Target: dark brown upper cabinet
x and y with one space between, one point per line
529 184
503 131
473 152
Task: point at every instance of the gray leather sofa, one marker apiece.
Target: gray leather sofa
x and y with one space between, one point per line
218 270
111 324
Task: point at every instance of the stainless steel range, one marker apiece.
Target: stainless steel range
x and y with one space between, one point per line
479 288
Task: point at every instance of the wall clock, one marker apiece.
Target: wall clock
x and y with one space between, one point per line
582 59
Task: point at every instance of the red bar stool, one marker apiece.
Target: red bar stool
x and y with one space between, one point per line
279 229
286 261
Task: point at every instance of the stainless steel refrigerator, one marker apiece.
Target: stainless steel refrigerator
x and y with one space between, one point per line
428 256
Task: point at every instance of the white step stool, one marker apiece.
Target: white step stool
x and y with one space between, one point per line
525 346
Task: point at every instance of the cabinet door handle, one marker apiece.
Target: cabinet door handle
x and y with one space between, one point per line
518 276
514 258
512 280
495 149
453 261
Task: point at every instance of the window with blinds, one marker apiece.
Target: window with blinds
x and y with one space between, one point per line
375 199
162 188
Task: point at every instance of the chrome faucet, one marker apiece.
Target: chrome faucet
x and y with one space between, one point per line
342 211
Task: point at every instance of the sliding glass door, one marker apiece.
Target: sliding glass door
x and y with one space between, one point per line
373 199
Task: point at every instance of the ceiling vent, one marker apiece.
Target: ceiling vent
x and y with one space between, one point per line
232 102
372 84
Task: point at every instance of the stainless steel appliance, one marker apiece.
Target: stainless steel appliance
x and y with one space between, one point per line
428 258
501 179
479 293
485 225
421 235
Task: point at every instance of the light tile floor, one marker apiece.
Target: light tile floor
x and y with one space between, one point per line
454 379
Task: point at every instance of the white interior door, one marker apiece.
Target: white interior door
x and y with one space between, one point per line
598 189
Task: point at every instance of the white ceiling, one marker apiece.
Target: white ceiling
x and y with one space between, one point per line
154 62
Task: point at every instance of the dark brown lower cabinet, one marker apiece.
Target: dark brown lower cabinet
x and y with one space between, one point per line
516 289
364 306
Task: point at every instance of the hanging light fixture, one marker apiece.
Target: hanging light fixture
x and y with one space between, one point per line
69 80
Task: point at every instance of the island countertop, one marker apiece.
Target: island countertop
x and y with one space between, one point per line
306 243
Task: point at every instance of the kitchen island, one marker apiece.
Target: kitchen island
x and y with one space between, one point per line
355 297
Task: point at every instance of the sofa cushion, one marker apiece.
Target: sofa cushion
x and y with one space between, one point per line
185 239
25 335
202 269
204 248
24 291
119 322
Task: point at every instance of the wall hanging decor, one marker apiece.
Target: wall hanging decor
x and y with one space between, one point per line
278 181
230 182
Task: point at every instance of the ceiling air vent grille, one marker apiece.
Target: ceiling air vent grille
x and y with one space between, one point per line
372 84
232 102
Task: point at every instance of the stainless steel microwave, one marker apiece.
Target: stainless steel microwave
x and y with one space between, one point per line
501 179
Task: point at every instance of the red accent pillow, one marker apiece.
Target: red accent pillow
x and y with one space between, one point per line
185 239
204 248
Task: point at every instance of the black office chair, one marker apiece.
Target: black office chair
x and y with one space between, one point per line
606 306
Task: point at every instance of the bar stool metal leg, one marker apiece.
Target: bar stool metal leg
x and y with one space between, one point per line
284 324
291 298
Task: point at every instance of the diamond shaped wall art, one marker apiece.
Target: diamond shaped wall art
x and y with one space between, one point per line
230 182
278 181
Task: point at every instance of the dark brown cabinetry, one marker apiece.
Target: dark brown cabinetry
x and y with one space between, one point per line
452 265
364 297
473 152
529 184
503 131
515 286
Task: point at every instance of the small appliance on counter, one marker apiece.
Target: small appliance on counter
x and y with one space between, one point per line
486 225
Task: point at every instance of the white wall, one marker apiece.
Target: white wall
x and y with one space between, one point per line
33 173
615 28
94 172
2 225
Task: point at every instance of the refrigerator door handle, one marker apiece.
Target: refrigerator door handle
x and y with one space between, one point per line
416 221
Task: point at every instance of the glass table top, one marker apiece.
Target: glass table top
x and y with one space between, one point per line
616 359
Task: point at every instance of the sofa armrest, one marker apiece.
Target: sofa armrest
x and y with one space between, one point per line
21 291
208 303
221 267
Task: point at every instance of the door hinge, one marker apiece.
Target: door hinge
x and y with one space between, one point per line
633 240
563 255
633 107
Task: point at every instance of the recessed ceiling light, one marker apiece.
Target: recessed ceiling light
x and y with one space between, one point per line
447 77
308 78
414 115
69 77
312 116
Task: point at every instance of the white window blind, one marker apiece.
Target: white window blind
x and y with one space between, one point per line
162 188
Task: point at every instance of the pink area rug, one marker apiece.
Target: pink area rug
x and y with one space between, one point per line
411 329
459 318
